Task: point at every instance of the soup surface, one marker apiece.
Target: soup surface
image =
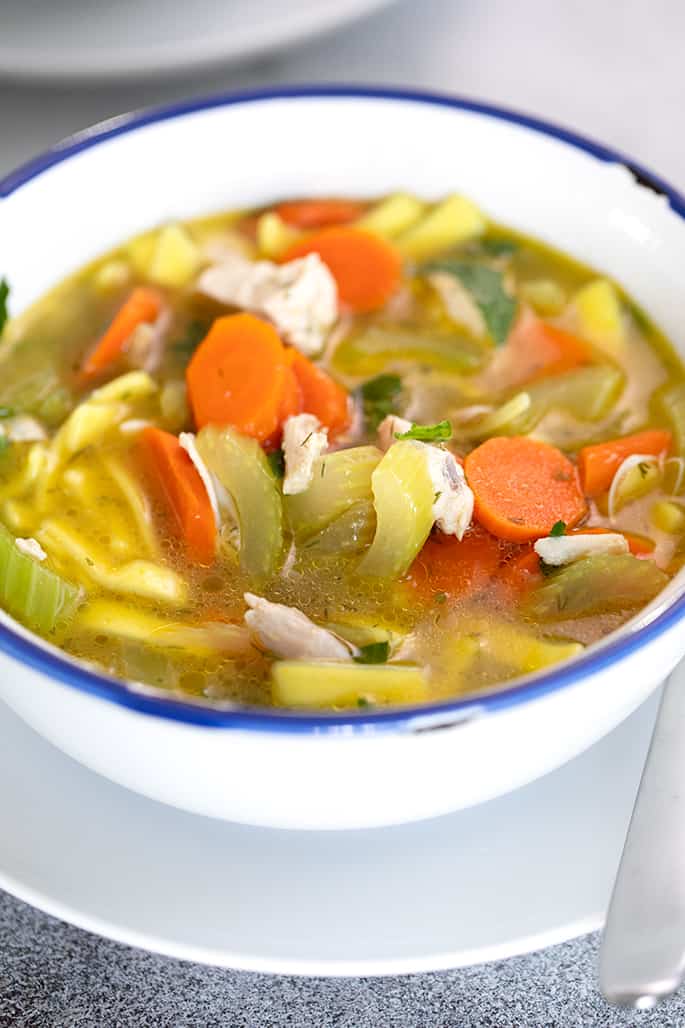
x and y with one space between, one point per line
336 453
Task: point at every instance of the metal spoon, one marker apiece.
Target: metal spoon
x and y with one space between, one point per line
642 959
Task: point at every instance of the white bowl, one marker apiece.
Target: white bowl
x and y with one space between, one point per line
359 769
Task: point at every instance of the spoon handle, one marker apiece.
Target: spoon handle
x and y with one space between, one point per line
643 949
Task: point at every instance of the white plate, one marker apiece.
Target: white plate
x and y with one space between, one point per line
510 876
71 39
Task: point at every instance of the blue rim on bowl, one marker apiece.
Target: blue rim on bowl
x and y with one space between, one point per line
61 668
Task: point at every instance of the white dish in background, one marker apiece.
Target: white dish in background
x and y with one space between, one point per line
365 768
70 39
522 872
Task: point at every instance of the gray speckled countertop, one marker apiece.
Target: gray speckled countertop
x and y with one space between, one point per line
614 71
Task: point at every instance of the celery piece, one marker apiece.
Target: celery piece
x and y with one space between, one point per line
372 350
31 593
363 631
600 316
341 480
392 216
304 684
455 220
242 468
274 235
403 496
588 393
351 532
671 403
514 417
594 585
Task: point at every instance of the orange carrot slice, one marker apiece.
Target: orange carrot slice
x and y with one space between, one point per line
178 483
522 487
236 376
315 213
143 305
538 350
365 267
448 568
321 395
599 463
291 403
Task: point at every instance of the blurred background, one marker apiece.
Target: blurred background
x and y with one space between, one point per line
613 71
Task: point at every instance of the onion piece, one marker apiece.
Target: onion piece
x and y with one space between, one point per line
628 464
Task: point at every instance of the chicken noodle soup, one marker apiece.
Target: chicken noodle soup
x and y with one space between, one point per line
336 453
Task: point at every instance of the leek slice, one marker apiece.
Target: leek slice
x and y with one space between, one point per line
341 480
403 496
243 470
303 684
31 593
610 582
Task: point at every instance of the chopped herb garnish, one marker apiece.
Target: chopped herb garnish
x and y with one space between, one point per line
378 398
276 463
441 597
4 293
184 347
6 412
498 247
428 433
374 653
306 439
486 287
363 702
643 468
557 529
323 468
547 569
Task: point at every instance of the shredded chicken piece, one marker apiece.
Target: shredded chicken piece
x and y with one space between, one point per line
133 425
303 441
387 429
32 548
453 504
22 428
564 549
221 502
287 632
458 302
145 346
300 297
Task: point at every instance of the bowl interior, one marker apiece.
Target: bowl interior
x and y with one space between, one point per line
131 174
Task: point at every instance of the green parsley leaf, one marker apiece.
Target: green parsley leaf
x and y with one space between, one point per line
498 247
441 597
557 529
276 463
486 287
4 293
374 653
428 433
7 412
378 398
184 347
